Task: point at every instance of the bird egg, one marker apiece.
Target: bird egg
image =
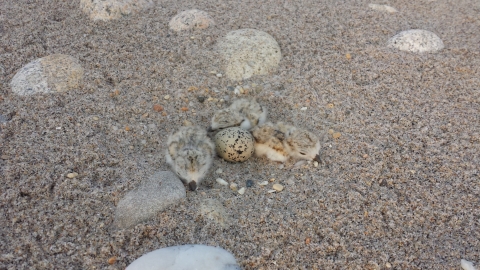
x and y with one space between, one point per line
234 144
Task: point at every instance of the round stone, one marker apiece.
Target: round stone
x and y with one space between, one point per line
106 10
278 187
234 144
416 40
249 183
191 19
249 52
50 74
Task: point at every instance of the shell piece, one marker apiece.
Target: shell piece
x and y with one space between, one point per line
190 19
234 144
416 41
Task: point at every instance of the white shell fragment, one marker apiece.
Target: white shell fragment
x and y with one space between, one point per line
416 41
264 183
382 8
186 257
278 187
222 182
50 74
106 10
466 265
191 19
233 186
241 191
272 191
249 52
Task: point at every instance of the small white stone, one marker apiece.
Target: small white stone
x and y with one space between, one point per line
58 128
219 171
219 75
167 97
388 265
466 265
241 191
264 183
315 164
303 109
233 186
272 191
382 8
278 187
95 118
72 175
222 182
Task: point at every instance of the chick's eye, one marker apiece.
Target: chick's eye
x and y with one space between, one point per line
303 154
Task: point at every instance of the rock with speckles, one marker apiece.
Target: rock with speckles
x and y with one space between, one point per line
106 10
416 41
191 19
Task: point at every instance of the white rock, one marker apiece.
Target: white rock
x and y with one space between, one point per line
466 265
50 74
272 191
191 19
416 41
233 186
315 164
106 10
264 183
382 8
222 182
278 187
303 108
151 196
249 52
186 257
219 171
241 191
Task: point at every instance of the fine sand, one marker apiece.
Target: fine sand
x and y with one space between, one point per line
398 186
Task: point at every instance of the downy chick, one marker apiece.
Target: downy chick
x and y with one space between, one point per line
190 154
253 112
269 142
300 143
226 118
243 113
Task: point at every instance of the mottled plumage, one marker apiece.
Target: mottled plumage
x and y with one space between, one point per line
269 142
243 113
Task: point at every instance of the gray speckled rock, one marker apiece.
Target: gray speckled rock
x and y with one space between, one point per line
50 74
153 195
416 40
191 19
106 10
214 210
249 52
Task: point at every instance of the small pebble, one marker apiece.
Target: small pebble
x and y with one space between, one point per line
315 164
95 118
241 191
219 171
272 179
233 186
271 191
278 187
219 75
264 183
249 183
388 265
112 260
72 175
187 123
184 109
336 135
167 97
157 108
210 99
303 109
222 182
201 99
230 88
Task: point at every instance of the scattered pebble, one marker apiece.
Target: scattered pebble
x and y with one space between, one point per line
157 107
184 109
303 109
106 10
167 97
72 175
336 135
112 260
95 118
307 240
219 75
416 41
315 164
187 123
191 19
272 191
331 131
348 56
466 265
388 265
278 187
222 182
249 52
264 183
272 179
50 74
249 183
241 191
233 186
382 8
201 99
365 156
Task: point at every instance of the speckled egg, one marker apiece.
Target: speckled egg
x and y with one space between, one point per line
234 144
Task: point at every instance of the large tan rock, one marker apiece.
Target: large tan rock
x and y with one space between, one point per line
191 19
249 52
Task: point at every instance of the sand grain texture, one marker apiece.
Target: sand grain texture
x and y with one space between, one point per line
399 187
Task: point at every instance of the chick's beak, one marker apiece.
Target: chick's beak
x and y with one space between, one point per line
192 185
317 158
209 129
